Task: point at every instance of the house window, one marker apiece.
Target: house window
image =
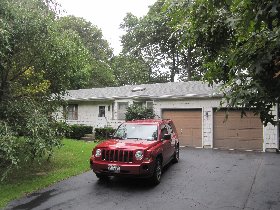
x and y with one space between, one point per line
72 112
113 106
149 104
101 111
122 107
138 103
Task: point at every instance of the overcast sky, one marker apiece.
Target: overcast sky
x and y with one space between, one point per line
107 15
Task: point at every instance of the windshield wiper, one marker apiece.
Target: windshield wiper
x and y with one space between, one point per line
136 138
117 137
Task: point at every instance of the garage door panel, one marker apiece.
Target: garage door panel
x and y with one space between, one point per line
236 132
188 124
250 133
255 145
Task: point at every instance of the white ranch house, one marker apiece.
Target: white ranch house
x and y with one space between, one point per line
191 105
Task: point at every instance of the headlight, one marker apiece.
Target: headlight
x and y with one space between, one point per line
98 153
139 155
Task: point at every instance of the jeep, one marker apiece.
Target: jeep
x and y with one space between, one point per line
138 148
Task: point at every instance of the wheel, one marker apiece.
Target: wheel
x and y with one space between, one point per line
176 154
102 176
157 172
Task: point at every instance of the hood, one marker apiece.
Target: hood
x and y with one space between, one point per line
130 144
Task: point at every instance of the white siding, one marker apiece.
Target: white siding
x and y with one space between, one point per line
270 132
88 115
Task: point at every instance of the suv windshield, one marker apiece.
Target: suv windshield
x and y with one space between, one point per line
136 131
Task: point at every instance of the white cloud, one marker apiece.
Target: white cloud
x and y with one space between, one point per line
107 14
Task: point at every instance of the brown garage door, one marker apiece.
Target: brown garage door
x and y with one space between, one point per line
188 124
237 133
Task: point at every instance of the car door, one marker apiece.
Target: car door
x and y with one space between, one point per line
166 143
173 140
174 136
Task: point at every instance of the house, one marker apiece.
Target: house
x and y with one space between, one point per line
191 105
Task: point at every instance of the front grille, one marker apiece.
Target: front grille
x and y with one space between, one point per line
117 155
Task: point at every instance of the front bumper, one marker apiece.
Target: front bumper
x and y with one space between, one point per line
143 169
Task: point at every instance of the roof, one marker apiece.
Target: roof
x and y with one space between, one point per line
170 90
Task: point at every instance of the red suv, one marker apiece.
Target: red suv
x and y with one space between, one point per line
138 148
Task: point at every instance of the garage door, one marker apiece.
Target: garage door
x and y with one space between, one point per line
237 133
188 124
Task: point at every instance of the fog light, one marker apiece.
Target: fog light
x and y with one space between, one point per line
145 167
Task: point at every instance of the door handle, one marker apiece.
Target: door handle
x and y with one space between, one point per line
181 131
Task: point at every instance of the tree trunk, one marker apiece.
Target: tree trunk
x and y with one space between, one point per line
173 68
189 64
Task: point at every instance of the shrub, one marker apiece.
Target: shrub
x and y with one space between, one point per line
78 131
26 134
61 128
136 112
103 133
8 150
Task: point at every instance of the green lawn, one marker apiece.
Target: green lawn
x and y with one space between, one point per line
71 159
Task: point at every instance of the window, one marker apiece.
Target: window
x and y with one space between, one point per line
138 103
113 111
101 111
149 104
122 106
136 131
166 129
72 112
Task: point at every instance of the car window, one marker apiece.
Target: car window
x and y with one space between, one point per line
136 131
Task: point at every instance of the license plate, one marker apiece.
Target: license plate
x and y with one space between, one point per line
114 168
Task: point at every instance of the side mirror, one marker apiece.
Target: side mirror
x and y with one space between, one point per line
167 137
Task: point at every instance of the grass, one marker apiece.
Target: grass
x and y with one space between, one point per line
71 159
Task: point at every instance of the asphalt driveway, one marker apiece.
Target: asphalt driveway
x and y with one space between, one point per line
203 179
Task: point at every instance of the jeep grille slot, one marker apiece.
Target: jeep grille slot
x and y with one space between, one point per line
117 155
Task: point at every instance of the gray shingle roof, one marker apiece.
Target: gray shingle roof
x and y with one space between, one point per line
170 90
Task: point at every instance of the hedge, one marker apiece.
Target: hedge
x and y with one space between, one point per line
103 133
78 131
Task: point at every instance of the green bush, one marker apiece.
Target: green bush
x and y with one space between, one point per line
61 129
136 112
8 150
27 133
78 131
103 133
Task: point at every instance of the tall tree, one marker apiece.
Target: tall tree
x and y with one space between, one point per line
154 38
240 45
38 63
101 73
129 70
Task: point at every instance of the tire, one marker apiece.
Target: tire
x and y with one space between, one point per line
101 176
155 179
176 155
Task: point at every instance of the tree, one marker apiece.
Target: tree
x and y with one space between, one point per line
154 39
136 112
101 73
38 63
240 45
129 70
